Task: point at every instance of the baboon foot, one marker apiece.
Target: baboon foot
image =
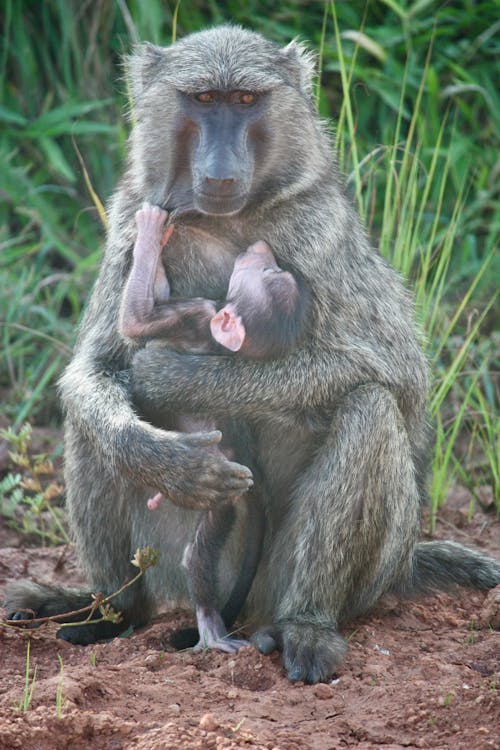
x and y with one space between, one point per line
213 633
190 638
311 651
84 635
26 600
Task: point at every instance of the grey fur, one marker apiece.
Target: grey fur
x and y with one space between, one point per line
341 428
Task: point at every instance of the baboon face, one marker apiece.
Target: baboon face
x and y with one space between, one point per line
221 119
225 131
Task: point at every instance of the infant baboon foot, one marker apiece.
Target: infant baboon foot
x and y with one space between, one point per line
227 644
154 502
150 221
213 633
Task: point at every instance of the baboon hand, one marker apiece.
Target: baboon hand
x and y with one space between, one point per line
311 651
197 476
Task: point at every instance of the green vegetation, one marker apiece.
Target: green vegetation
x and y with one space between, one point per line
60 689
411 89
30 497
29 684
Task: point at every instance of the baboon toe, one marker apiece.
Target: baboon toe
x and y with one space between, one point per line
265 640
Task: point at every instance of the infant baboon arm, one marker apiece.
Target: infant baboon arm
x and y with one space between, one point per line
146 310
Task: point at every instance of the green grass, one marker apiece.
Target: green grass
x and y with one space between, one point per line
411 87
29 684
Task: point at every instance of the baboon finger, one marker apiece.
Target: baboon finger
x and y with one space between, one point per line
202 439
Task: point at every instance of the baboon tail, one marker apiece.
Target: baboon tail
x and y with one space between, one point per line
443 565
26 600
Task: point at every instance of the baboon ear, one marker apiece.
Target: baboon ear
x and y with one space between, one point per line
143 66
302 63
227 328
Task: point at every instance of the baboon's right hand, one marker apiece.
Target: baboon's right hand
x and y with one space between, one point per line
197 476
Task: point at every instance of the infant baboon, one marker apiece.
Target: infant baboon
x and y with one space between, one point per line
263 316
227 135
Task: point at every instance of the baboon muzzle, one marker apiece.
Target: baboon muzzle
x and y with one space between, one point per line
222 167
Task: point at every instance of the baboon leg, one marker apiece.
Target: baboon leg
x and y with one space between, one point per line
201 561
351 529
100 507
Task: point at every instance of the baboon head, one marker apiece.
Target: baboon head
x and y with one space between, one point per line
223 118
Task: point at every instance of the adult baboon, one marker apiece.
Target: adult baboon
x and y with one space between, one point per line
262 317
227 133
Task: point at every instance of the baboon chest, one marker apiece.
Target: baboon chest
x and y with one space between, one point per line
199 265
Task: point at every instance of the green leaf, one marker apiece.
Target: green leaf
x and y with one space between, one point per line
8 115
56 159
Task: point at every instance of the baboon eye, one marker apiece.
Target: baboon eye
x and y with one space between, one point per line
272 269
247 97
205 97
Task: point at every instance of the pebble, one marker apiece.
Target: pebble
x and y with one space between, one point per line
323 692
209 722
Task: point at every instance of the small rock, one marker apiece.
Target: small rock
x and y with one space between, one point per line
323 692
174 708
209 722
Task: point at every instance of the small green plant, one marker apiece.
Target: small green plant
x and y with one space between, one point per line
93 659
448 698
60 689
29 684
27 496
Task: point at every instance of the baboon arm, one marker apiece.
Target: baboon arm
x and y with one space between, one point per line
177 464
237 387
179 322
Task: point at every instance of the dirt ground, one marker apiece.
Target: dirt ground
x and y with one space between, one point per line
418 675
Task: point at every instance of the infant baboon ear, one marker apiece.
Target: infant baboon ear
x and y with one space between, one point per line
227 328
302 65
143 66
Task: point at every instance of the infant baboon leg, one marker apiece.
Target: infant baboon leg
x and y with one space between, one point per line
201 560
213 626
